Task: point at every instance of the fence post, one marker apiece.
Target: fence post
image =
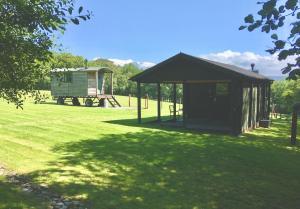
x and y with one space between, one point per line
129 98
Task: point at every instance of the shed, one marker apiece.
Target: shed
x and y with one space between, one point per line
86 82
216 96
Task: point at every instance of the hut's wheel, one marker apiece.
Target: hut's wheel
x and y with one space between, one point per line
75 101
60 101
88 103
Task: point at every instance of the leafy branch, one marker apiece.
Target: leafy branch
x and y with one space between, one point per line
271 17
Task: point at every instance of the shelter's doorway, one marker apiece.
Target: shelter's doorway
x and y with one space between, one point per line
92 83
209 102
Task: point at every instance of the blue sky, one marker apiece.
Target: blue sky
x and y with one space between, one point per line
155 30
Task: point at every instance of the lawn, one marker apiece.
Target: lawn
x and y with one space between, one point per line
103 157
13 198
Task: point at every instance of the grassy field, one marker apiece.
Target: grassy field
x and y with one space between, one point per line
103 157
13 198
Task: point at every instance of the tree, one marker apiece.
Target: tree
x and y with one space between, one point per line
26 40
275 15
285 94
67 60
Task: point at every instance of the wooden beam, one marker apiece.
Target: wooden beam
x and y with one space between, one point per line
174 102
269 101
263 96
294 127
258 105
184 103
112 84
232 94
250 116
296 109
239 108
139 102
158 102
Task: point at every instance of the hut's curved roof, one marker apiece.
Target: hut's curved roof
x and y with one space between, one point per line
89 69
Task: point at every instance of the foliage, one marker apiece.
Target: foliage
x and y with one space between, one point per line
27 28
285 94
67 60
274 15
105 158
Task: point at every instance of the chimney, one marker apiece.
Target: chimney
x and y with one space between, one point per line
252 68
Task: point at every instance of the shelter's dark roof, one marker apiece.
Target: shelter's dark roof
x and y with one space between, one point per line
184 67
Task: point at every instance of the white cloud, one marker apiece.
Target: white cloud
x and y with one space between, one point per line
141 65
121 62
145 65
266 64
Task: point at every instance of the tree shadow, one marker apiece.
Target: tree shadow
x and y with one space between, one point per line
13 197
167 168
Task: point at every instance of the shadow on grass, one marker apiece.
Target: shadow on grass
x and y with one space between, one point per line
12 197
166 168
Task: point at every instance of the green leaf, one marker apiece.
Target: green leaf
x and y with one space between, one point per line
242 27
82 17
298 15
291 4
269 6
249 19
283 55
75 21
279 44
70 10
281 9
266 28
297 43
80 9
251 28
274 36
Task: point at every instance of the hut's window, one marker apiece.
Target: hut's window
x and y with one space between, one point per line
222 89
68 77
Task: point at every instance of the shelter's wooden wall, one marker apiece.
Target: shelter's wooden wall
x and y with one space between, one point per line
245 108
255 105
77 86
204 102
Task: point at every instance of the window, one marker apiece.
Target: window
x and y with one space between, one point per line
67 77
222 89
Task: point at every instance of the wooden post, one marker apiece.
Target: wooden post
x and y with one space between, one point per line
112 84
296 109
146 101
184 104
258 105
174 102
250 116
294 127
269 101
233 104
158 102
139 105
129 98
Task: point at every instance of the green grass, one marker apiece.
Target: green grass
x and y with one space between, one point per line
103 157
13 198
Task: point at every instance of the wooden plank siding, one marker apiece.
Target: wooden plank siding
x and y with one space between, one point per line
77 86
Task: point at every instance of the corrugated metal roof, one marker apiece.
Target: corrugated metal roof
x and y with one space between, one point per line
203 65
89 69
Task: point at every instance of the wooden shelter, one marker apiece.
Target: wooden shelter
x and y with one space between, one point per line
216 96
86 83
